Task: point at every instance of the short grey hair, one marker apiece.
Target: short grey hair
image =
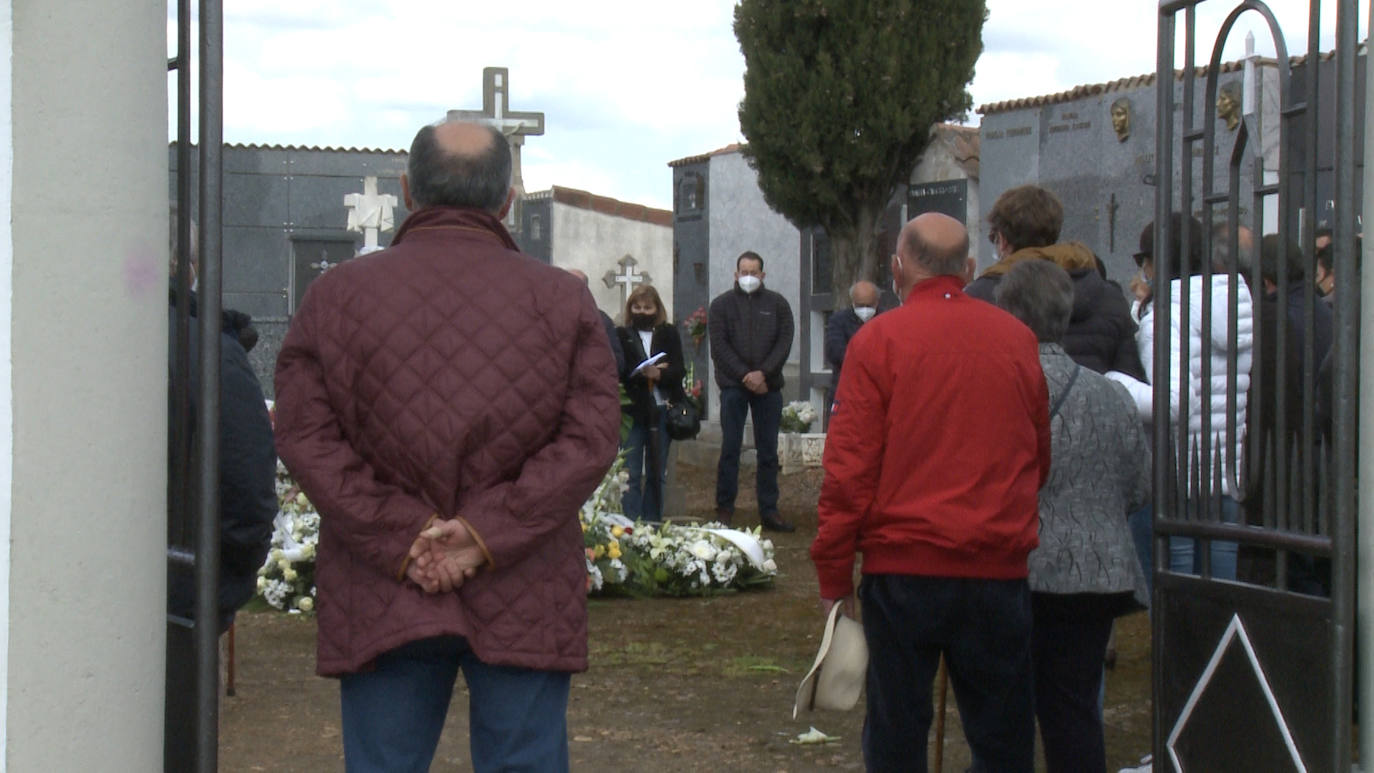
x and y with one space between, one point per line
1040 294
937 262
440 179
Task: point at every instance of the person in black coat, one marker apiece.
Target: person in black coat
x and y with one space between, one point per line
843 324
650 387
1023 225
247 469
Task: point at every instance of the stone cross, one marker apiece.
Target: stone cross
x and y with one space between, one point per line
516 126
626 278
370 213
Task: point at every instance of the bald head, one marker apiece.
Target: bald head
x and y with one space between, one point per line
459 164
863 293
931 245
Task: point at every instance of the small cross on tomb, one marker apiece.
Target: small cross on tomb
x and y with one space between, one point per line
370 212
626 278
322 265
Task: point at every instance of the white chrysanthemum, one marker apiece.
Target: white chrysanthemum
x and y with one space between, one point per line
704 550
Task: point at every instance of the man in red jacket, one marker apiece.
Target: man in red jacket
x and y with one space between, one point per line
448 404
939 442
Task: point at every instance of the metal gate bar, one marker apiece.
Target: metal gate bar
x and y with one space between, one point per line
1307 483
193 538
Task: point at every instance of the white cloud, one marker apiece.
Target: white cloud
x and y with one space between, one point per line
626 86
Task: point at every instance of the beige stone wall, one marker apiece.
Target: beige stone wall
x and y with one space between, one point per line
594 242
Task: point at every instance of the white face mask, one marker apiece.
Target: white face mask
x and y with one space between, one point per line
749 283
865 313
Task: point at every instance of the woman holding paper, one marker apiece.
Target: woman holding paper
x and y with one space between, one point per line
654 379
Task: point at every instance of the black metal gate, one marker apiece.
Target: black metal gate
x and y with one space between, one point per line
192 711
1252 665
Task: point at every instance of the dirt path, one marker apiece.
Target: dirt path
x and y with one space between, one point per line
674 685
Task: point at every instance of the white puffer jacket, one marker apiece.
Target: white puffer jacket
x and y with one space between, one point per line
1187 383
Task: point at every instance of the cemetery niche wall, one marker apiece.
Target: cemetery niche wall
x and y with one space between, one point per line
285 222
1094 147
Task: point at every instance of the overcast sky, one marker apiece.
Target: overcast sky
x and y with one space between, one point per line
626 86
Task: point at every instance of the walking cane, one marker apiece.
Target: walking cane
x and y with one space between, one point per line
942 685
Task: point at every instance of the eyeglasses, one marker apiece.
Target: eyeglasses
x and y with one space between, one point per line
992 237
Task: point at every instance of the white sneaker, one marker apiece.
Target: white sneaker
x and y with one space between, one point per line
1146 765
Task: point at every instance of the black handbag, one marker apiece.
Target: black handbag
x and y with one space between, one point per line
683 421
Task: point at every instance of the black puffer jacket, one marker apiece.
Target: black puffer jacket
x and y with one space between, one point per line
749 332
1101 334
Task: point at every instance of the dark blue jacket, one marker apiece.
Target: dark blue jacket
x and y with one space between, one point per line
247 469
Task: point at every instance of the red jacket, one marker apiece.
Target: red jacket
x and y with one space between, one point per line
449 375
938 443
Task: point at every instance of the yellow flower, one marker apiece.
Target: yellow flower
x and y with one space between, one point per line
614 550
600 550
584 527
617 530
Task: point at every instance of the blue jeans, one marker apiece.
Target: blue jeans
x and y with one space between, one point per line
735 404
1184 558
394 714
643 499
983 628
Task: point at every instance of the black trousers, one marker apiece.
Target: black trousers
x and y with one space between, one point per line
1068 644
983 629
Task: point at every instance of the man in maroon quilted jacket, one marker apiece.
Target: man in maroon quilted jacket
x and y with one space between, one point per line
448 404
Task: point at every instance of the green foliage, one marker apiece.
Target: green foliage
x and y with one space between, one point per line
840 97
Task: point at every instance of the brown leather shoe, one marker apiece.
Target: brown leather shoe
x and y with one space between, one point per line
774 522
725 515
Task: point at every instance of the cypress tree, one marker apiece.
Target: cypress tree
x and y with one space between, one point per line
839 100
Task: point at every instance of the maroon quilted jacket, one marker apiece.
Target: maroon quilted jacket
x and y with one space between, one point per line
449 374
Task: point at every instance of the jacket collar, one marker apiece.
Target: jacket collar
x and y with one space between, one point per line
1070 256
947 285
455 219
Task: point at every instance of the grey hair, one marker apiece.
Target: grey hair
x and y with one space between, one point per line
937 262
1040 294
440 179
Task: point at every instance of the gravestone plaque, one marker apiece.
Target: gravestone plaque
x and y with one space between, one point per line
948 197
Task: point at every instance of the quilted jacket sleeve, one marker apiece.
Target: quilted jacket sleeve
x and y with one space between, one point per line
377 522
853 463
514 517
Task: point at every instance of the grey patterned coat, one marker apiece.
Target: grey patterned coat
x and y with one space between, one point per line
1100 473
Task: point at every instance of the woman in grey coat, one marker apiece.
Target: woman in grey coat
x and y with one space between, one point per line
1085 572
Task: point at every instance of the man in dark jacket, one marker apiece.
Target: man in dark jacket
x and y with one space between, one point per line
448 404
1023 225
843 324
751 334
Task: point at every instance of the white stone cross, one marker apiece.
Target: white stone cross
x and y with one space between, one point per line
516 126
626 278
370 213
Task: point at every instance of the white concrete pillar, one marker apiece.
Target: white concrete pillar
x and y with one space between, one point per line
83 369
